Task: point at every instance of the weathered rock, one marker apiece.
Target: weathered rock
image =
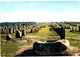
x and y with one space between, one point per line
72 30
79 28
62 33
10 30
19 28
8 37
67 27
18 34
14 30
23 32
2 29
34 30
51 48
31 31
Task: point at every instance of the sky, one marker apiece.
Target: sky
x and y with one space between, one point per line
45 11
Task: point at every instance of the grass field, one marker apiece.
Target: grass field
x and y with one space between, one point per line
45 33
8 49
73 37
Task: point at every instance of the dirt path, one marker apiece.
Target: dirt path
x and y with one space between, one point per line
75 50
24 45
23 48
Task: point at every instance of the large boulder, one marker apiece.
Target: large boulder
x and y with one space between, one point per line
51 48
8 37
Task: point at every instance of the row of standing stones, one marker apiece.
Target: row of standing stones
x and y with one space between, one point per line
52 47
57 47
21 32
75 29
18 30
47 47
59 30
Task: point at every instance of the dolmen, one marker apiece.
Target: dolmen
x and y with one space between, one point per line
51 48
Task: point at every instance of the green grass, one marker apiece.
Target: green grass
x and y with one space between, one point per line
45 33
73 37
8 49
72 34
74 42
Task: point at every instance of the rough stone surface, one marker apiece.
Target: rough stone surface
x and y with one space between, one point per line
51 48
62 33
23 32
18 34
10 30
14 30
8 37
79 28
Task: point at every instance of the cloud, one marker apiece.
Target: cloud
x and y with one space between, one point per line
40 16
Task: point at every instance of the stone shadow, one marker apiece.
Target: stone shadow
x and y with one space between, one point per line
31 52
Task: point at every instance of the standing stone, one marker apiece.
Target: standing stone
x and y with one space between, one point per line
18 34
62 33
79 28
31 31
23 26
23 32
2 29
18 28
5 27
72 30
8 37
14 30
36 29
67 27
10 30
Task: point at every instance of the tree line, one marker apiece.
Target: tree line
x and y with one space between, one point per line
16 23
